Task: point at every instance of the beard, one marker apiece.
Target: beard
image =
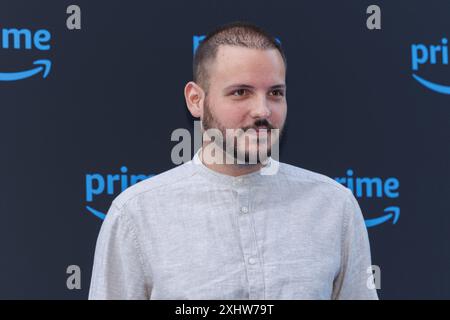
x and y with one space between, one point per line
235 145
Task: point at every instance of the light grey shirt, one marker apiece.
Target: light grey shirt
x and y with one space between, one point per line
193 233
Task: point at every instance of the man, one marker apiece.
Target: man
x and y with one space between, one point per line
211 229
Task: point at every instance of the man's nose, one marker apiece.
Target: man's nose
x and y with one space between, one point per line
261 108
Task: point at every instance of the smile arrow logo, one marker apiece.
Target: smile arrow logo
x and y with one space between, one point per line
42 65
392 213
432 86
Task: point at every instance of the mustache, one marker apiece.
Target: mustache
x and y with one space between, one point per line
262 123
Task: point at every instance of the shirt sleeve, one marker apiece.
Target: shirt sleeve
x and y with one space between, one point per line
354 279
118 271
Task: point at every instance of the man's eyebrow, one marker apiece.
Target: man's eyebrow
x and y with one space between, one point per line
278 86
246 86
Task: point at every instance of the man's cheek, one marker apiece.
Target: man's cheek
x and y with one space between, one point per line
278 119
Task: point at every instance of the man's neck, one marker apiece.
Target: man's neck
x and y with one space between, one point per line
234 170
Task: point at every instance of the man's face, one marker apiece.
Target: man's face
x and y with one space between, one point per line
246 91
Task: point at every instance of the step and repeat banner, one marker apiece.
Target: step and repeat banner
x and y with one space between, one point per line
91 92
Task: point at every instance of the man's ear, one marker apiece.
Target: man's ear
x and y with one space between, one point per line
195 97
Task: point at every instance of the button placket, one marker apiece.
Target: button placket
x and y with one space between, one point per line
249 245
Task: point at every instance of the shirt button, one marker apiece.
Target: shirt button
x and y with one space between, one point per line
251 260
244 209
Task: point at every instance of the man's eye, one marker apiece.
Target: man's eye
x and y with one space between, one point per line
239 92
279 93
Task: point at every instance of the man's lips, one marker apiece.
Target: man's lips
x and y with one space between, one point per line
260 132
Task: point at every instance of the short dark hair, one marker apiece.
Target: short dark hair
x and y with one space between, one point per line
238 33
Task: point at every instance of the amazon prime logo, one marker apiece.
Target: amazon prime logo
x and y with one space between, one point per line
25 39
375 188
422 54
100 189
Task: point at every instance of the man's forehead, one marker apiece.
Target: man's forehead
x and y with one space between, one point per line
254 67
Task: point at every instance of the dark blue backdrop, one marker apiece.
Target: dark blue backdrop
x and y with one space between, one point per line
114 94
